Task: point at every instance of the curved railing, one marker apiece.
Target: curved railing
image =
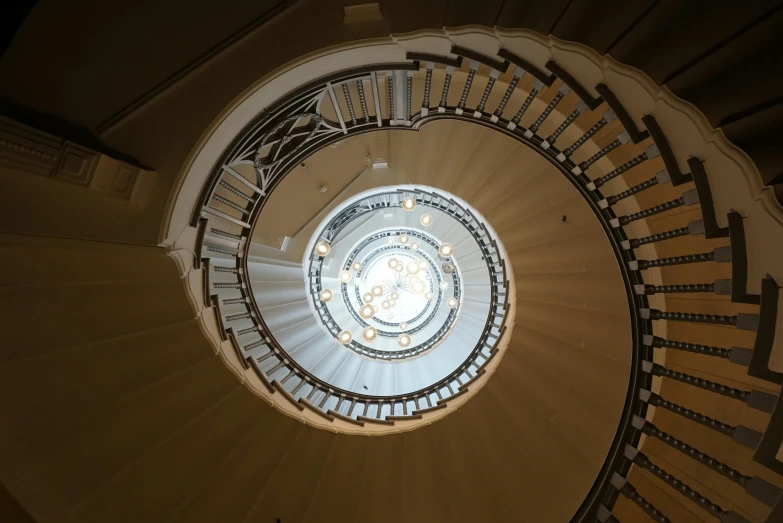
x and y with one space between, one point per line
625 450
426 198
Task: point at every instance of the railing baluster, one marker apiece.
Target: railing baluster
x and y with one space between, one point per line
694 228
743 321
644 462
755 486
425 102
622 138
581 107
719 255
649 153
349 103
739 434
660 178
446 85
688 198
518 72
561 92
719 287
537 86
473 66
754 399
627 490
606 118
493 75
390 85
362 100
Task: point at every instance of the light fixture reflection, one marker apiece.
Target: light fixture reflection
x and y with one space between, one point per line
322 248
325 295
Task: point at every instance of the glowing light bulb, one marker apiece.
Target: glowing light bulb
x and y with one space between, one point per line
414 246
367 298
399 268
403 238
369 334
446 250
404 325
404 340
377 290
385 304
426 220
322 248
423 265
345 276
395 295
409 203
390 241
357 265
393 263
392 303
325 295
345 337
391 316
444 285
449 267
452 302
375 308
413 268
418 286
428 295
366 311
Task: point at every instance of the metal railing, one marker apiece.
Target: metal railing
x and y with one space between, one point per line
624 452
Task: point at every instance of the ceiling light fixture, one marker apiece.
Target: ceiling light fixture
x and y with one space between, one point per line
369 334
404 340
357 265
322 248
426 219
409 203
345 276
325 295
452 302
345 337
366 311
413 268
446 250
414 246
403 238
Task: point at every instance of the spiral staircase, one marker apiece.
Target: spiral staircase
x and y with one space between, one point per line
615 354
